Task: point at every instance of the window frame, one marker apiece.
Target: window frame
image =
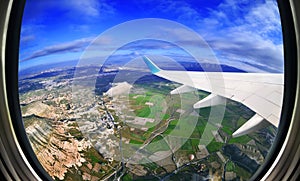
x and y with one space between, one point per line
18 160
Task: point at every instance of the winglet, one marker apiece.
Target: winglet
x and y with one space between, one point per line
153 68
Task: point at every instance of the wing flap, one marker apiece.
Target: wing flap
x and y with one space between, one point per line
255 123
211 100
182 89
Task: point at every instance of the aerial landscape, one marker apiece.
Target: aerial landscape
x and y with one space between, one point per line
94 109
73 142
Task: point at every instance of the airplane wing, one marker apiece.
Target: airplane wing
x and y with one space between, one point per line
261 92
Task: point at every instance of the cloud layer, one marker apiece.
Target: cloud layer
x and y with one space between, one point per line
252 35
73 46
244 34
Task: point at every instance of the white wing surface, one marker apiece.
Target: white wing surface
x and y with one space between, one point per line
261 92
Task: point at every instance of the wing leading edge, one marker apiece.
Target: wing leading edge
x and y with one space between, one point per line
261 92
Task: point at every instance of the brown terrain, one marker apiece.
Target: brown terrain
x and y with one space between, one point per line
58 144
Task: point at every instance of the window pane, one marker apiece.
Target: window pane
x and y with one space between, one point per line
151 89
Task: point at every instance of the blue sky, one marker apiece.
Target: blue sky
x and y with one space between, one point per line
245 34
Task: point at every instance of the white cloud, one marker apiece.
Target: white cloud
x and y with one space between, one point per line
78 45
27 38
251 35
92 8
88 7
73 46
247 31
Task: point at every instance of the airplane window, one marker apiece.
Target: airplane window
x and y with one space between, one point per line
157 90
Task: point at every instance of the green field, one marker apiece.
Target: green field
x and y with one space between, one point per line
189 129
146 111
136 142
242 139
157 144
214 146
